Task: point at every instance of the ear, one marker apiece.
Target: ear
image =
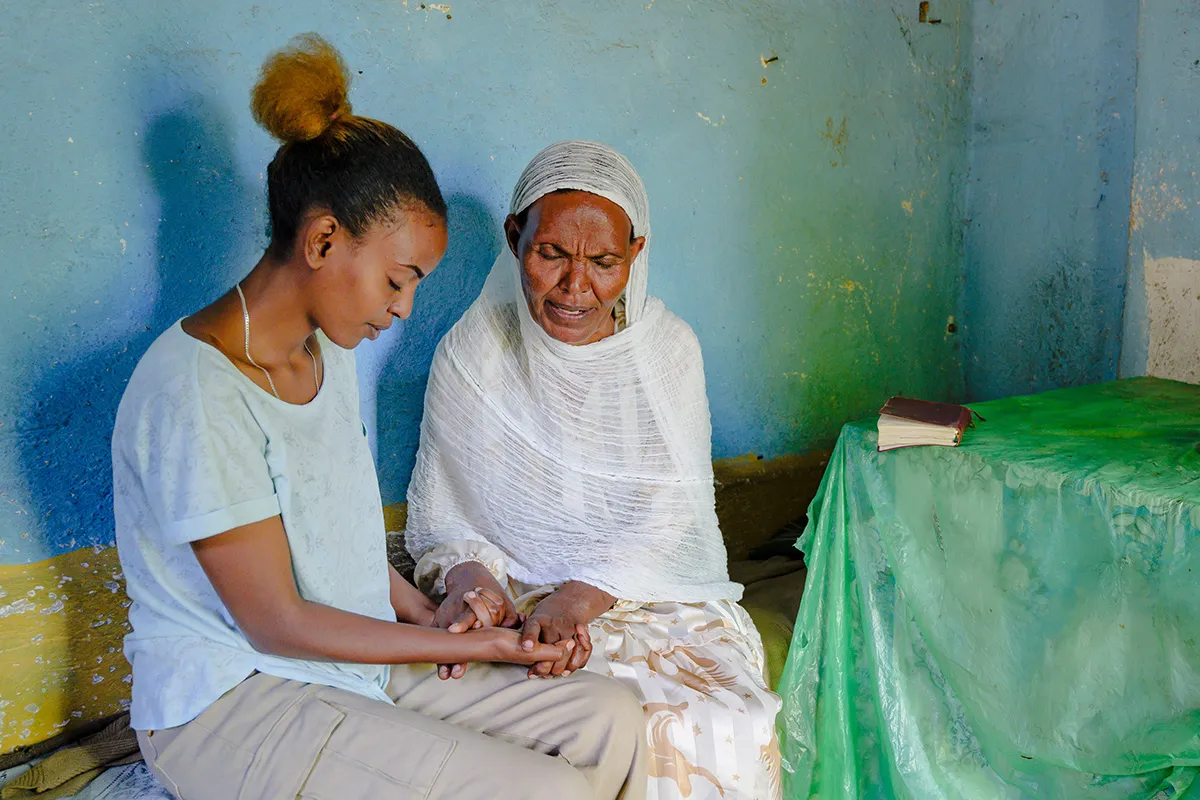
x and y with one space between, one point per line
512 234
320 236
635 248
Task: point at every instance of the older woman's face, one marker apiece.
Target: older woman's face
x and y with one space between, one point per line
575 250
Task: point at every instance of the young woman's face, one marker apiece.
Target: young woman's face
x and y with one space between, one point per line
362 284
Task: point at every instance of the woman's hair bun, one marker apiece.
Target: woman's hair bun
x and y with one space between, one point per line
303 90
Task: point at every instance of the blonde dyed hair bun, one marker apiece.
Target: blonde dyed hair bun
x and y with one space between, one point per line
302 90
361 170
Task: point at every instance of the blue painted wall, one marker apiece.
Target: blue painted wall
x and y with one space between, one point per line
1162 311
804 162
1048 199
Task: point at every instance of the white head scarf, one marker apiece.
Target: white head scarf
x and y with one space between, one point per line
598 169
589 462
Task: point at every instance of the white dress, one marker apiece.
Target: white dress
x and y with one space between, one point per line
550 462
699 670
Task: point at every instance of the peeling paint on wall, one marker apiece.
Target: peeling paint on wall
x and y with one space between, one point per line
1173 295
1154 200
61 645
1161 311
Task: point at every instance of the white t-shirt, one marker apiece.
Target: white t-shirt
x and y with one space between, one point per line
200 449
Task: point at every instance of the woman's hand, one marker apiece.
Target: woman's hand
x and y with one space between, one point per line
505 646
250 568
474 599
562 618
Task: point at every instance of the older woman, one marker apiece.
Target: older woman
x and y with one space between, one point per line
565 466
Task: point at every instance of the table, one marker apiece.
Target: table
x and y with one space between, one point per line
1015 617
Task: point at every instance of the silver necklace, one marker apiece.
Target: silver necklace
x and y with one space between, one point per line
271 383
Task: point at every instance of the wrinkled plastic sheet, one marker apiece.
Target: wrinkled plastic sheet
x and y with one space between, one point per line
1018 617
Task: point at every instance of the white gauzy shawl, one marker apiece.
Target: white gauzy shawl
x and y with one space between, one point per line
589 463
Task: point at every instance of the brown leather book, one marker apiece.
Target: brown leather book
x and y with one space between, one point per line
905 422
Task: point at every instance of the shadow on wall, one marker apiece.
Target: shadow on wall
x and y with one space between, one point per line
475 239
66 454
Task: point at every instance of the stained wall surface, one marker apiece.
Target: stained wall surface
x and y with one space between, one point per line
1162 309
1048 198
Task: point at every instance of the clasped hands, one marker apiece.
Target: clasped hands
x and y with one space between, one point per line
474 599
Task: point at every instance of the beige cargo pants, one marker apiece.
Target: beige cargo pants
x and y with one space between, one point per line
494 734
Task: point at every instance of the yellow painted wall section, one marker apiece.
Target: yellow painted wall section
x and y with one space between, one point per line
62 622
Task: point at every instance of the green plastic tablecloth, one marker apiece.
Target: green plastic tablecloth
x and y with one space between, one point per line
1017 617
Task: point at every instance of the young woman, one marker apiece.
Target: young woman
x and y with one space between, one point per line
265 615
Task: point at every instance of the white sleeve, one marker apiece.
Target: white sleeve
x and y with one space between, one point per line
434 566
625 607
203 468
